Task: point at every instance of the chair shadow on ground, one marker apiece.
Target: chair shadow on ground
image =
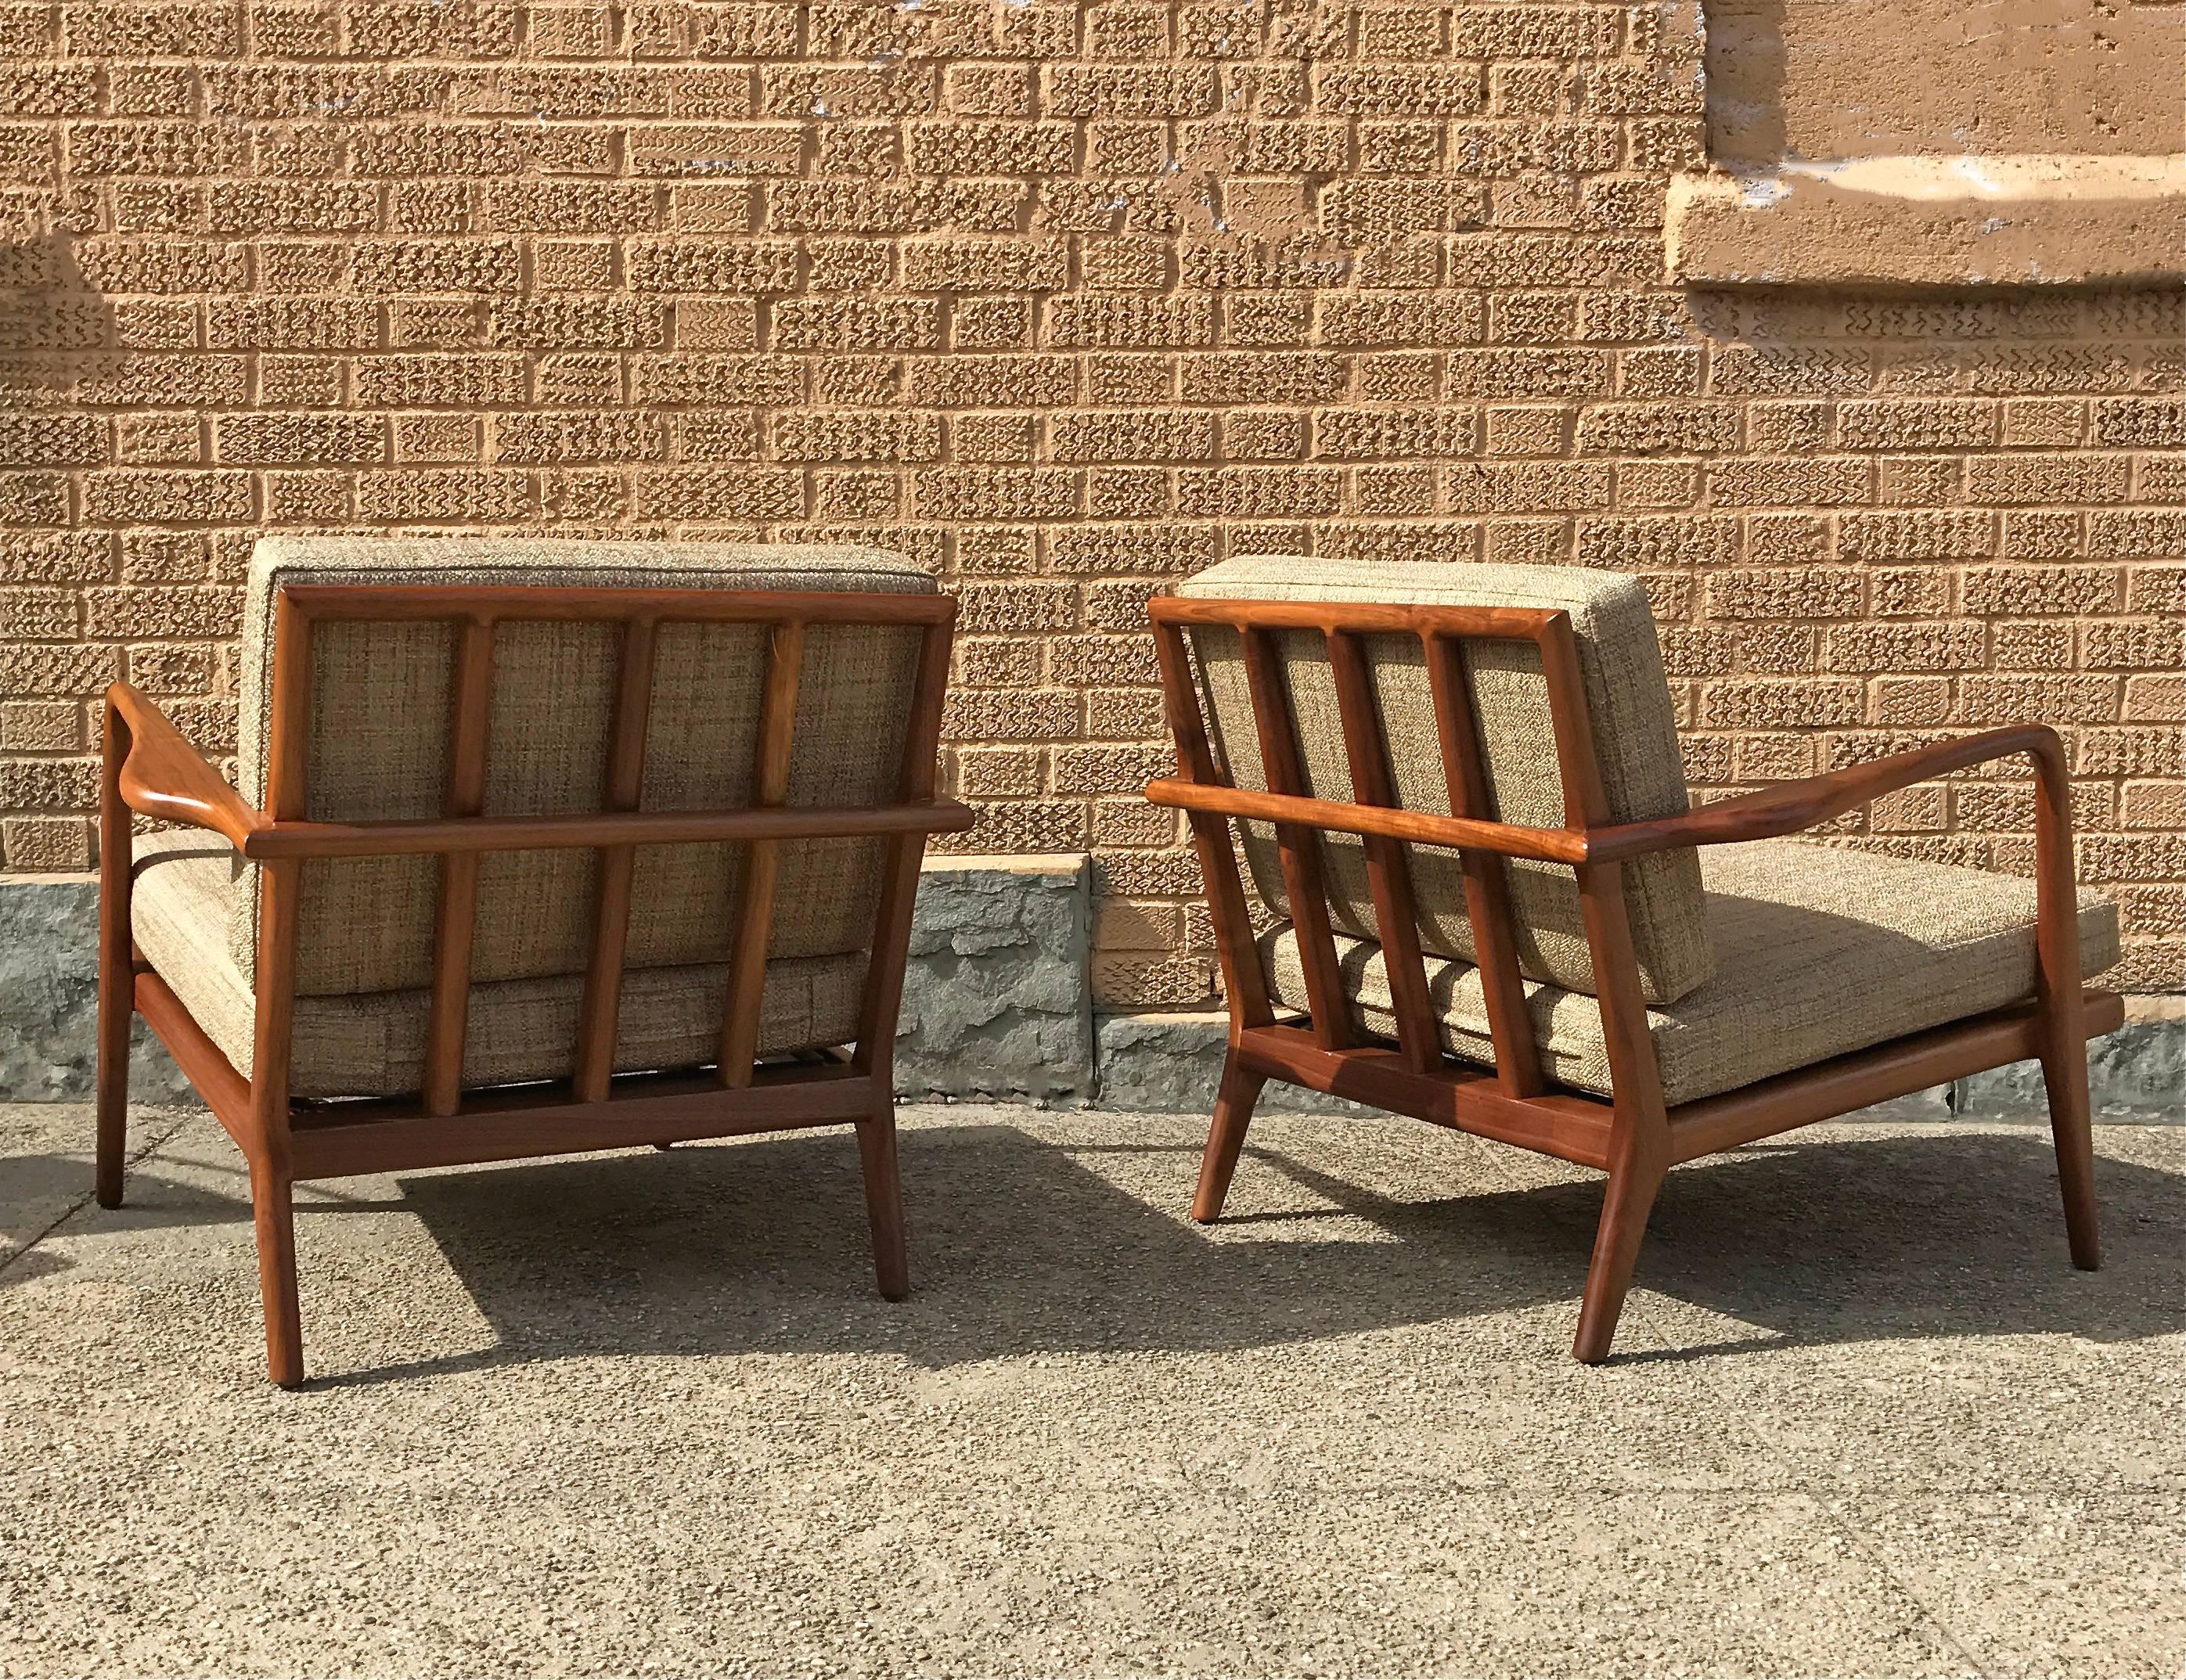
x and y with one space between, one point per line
1022 1245
1018 1248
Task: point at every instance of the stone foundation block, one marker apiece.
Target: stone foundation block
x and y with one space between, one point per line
995 1002
49 998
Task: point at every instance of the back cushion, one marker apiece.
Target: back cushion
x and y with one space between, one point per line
379 731
1634 733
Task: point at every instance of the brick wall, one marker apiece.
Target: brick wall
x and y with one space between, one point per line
1066 300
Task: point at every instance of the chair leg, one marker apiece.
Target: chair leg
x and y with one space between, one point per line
116 1018
1225 1137
273 1209
2064 1074
1632 1184
884 1201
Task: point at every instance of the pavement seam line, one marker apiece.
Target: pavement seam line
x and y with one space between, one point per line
1827 1508
1636 1305
133 1159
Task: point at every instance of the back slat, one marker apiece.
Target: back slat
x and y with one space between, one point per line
603 1000
456 918
1634 1072
1242 978
1389 876
777 726
883 993
1303 881
1486 895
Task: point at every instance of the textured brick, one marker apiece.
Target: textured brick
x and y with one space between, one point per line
1658 428
267 439
1896 647
2015 591
2012 479
1066 301
995 265
1953 535
856 324
686 265
997 493
1765 703
443 496
495 381
1940 424
1626 543
857 437
1132 435
718 379
540 439
50 440
1810 593
166 498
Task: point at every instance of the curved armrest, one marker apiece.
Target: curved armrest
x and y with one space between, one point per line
1791 806
159 774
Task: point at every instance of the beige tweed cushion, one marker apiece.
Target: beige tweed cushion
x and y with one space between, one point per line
1628 705
374 1043
1819 952
379 728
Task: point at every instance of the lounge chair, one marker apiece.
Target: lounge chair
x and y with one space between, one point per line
1470 865
540 846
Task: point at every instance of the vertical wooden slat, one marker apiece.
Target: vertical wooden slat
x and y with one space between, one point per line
1640 1148
1601 885
770 758
117 986
1303 881
2062 1024
1242 978
603 1002
1389 876
1486 889
883 992
274 984
459 871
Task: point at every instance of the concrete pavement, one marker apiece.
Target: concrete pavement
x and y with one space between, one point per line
643 1412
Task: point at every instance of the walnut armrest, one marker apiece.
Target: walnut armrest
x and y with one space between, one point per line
1791 806
157 772
161 775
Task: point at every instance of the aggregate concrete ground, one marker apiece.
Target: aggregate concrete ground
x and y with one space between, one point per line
642 1412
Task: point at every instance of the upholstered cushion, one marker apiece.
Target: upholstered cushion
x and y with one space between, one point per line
374 1043
379 732
1819 952
1634 735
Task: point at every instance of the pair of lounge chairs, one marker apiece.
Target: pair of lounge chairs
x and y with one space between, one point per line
551 846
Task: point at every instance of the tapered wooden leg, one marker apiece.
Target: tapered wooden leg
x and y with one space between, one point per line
1233 1112
115 1014
884 1201
273 1208
117 979
2065 1074
1632 1184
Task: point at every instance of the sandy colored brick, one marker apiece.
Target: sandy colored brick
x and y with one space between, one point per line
1067 301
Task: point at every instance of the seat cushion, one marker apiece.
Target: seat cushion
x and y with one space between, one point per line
374 1043
379 730
1628 705
1819 952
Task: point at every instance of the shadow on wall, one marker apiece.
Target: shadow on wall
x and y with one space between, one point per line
56 329
1746 65
1024 1246
57 338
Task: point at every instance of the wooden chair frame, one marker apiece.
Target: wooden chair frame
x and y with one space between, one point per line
150 769
1633 1137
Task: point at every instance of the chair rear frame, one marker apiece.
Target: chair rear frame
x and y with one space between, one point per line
1633 1136
145 771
